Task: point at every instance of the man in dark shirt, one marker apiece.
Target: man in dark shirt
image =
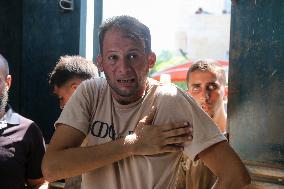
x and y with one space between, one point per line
21 143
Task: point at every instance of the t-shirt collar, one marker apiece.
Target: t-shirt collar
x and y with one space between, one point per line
11 117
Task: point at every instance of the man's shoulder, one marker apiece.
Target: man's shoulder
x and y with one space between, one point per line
95 80
15 119
168 90
30 127
170 95
95 83
24 121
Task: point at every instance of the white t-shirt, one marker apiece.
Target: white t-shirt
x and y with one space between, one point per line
93 111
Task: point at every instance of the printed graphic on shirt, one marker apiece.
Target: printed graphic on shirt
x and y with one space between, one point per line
104 130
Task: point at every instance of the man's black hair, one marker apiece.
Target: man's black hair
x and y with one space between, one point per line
70 67
130 26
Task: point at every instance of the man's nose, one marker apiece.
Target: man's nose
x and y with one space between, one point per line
205 94
61 104
124 66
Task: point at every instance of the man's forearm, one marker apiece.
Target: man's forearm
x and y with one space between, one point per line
252 186
64 158
226 165
70 162
220 184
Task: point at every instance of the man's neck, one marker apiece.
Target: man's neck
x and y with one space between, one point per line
131 99
220 120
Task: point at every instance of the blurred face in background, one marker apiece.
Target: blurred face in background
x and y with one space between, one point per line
65 91
207 90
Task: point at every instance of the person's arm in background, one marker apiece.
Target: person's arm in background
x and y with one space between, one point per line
64 158
223 161
34 177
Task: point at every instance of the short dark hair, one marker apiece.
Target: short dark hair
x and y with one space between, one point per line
70 67
131 26
4 62
207 65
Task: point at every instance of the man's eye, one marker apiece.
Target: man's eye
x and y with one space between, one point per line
132 56
195 89
112 57
212 87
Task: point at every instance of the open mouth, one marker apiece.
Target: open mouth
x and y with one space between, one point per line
125 80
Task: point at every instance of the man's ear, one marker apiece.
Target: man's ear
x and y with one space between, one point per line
8 81
99 61
74 86
225 97
151 59
75 83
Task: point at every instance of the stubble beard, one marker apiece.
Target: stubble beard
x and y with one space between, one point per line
4 99
122 93
125 97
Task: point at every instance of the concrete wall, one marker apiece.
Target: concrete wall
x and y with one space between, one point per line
205 36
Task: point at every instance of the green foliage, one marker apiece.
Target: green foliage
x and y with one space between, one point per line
165 55
167 59
181 85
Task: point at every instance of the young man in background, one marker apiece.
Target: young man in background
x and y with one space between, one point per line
65 77
68 73
206 82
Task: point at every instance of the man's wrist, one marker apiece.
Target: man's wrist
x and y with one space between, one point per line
129 143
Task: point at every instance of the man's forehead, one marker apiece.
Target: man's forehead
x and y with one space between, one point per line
120 33
201 74
198 77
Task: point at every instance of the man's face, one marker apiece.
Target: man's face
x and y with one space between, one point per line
126 65
63 93
207 90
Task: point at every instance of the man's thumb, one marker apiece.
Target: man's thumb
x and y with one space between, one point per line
150 117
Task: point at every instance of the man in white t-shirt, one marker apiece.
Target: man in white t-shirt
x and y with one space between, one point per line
120 151
206 83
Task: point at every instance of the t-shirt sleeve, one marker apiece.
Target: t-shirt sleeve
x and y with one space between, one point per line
205 132
177 106
35 153
77 111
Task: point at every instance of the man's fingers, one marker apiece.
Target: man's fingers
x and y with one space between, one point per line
178 132
168 127
177 140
